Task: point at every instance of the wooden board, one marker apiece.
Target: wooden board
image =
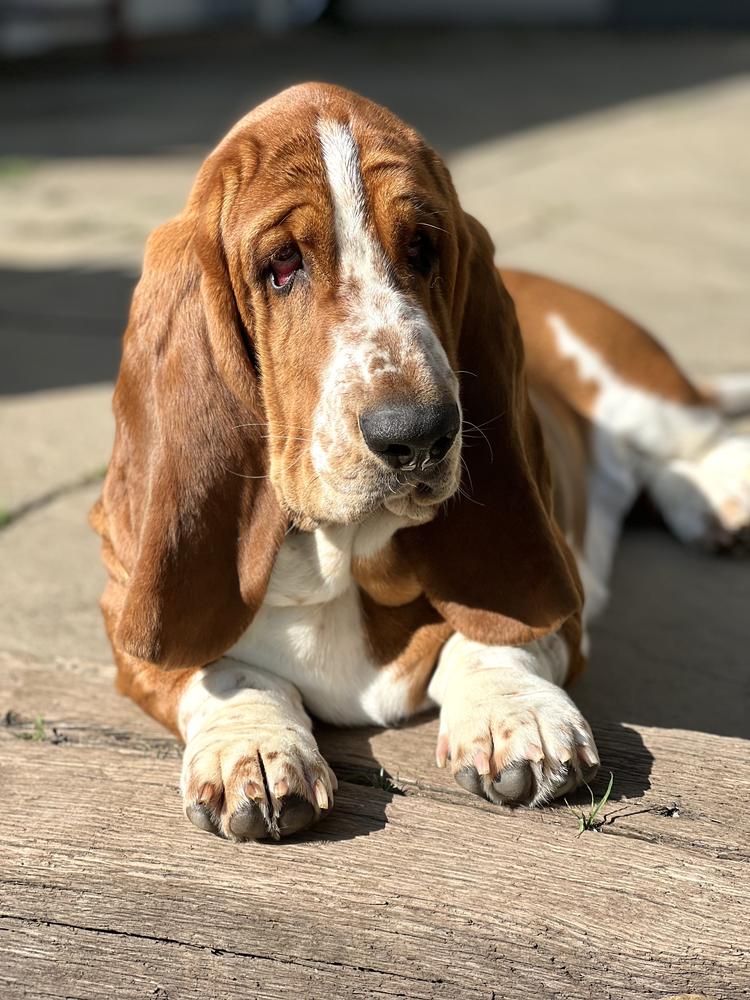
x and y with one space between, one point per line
107 891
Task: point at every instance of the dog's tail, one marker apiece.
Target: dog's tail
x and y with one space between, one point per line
729 393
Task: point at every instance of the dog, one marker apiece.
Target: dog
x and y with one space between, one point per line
358 472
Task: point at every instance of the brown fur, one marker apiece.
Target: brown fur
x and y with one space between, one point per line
217 388
563 401
630 350
384 578
567 440
494 562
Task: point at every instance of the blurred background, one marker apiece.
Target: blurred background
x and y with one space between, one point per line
606 142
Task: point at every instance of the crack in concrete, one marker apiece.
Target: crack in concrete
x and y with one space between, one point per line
9 517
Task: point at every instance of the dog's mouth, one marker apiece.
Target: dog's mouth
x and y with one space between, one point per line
413 506
416 496
354 494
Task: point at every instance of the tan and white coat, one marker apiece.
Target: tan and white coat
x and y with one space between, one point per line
264 564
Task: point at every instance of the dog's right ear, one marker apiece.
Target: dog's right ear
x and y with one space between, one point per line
190 520
493 561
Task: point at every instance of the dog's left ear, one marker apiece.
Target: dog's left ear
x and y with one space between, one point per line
190 522
493 562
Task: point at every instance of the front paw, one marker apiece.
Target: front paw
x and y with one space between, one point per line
246 781
519 744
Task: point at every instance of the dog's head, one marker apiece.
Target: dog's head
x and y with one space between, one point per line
304 344
341 236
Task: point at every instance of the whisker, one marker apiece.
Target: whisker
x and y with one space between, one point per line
489 444
285 468
491 420
462 492
265 423
242 475
429 225
468 473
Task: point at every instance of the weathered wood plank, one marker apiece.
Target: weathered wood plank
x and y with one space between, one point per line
670 785
74 693
434 896
88 964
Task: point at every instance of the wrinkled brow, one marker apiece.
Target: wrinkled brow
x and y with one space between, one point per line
274 216
384 166
421 204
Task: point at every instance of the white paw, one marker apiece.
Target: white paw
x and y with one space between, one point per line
519 743
248 775
707 502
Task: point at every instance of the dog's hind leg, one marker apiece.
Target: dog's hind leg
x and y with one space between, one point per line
679 446
704 496
650 428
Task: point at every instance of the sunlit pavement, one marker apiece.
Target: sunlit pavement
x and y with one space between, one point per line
617 163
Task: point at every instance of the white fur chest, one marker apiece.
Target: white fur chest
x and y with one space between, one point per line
309 629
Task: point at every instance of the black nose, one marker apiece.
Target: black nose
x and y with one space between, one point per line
411 437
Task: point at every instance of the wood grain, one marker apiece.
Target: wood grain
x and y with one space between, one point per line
107 891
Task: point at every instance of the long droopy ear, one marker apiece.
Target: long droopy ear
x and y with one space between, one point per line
190 522
493 562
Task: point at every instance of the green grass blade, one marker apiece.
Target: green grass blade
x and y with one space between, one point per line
603 800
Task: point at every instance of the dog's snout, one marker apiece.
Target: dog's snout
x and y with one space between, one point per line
410 437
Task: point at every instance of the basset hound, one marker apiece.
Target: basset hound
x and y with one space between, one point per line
358 473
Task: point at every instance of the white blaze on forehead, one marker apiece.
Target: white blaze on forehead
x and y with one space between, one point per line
341 159
384 333
378 305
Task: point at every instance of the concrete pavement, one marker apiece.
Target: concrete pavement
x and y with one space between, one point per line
644 200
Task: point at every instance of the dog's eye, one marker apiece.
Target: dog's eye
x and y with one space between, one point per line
284 265
420 252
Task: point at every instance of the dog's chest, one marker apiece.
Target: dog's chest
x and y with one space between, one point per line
310 631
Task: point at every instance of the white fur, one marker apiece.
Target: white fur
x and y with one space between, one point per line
629 426
248 739
655 426
309 629
307 645
613 483
306 642
505 720
359 255
383 330
694 468
226 684
546 658
731 391
706 501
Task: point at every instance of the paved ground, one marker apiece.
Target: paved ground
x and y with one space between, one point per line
618 163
